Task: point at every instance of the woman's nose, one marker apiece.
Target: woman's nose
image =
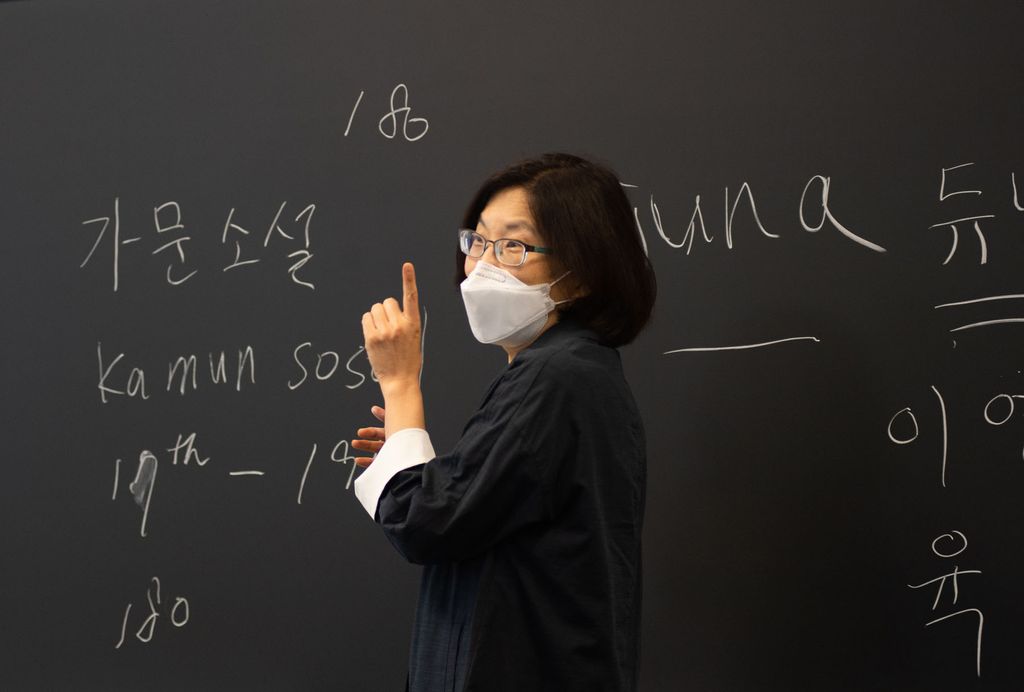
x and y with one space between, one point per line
489 256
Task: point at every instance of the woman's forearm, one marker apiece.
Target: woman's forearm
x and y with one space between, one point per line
403 402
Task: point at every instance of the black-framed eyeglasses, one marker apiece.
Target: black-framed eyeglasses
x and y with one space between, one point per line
508 251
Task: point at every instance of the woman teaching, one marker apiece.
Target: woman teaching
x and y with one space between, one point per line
530 527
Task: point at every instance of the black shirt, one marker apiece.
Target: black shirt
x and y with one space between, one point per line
530 530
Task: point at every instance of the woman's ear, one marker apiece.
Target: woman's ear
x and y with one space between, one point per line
574 288
579 290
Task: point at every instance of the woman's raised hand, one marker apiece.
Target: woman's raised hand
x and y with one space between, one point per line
392 335
372 439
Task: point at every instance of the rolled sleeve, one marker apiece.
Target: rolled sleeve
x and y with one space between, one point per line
406 448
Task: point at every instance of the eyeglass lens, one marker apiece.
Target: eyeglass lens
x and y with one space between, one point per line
506 250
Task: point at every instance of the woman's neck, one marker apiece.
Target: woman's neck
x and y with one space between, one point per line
513 352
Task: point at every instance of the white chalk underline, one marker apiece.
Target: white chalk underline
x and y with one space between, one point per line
742 346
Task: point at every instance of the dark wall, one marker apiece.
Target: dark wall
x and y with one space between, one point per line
785 526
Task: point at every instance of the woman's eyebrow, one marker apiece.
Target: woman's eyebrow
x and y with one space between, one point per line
511 225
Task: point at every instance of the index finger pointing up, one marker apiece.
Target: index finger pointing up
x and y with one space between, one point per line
410 298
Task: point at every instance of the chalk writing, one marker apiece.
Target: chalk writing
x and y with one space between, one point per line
116 241
141 488
177 242
185 374
826 214
814 212
972 220
182 374
179 614
396 120
185 452
904 438
303 254
400 110
745 193
339 454
697 220
952 224
352 115
743 347
957 544
984 323
190 453
327 363
903 427
168 221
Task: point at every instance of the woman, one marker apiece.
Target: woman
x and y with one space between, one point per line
530 527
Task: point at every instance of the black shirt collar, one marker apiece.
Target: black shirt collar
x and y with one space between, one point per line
559 333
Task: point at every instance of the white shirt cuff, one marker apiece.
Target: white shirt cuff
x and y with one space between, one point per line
407 447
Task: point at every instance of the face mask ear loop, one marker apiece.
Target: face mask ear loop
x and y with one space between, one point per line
560 278
567 300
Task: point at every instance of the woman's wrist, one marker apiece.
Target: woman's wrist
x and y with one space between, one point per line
399 386
403 402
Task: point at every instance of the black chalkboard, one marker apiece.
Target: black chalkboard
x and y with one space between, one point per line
241 180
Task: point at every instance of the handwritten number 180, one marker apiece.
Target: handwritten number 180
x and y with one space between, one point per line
397 120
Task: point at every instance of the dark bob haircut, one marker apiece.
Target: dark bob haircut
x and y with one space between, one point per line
583 214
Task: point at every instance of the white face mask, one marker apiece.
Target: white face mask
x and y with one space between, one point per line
502 309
